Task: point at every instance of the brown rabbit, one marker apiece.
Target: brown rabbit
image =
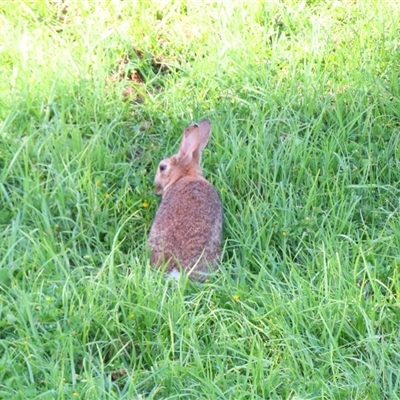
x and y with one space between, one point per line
187 229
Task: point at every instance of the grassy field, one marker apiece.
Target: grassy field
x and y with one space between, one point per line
305 153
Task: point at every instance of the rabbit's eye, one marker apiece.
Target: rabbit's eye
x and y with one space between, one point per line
163 167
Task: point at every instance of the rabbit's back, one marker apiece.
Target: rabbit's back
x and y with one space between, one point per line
187 228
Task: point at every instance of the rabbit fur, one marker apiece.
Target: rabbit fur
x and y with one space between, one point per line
186 233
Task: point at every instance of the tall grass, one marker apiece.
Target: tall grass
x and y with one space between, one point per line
305 103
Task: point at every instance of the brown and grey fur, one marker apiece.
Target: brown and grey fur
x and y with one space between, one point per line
187 229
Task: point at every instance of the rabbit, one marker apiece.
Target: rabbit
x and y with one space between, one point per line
186 232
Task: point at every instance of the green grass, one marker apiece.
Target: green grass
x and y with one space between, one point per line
305 152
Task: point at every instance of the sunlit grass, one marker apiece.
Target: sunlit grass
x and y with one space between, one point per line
305 150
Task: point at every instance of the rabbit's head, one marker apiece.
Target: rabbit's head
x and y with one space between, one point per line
186 163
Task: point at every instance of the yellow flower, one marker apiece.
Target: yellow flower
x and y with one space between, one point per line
145 204
48 298
97 182
76 394
284 233
132 315
107 195
236 297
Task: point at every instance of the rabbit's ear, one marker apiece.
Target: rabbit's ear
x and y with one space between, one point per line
189 143
194 140
204 131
